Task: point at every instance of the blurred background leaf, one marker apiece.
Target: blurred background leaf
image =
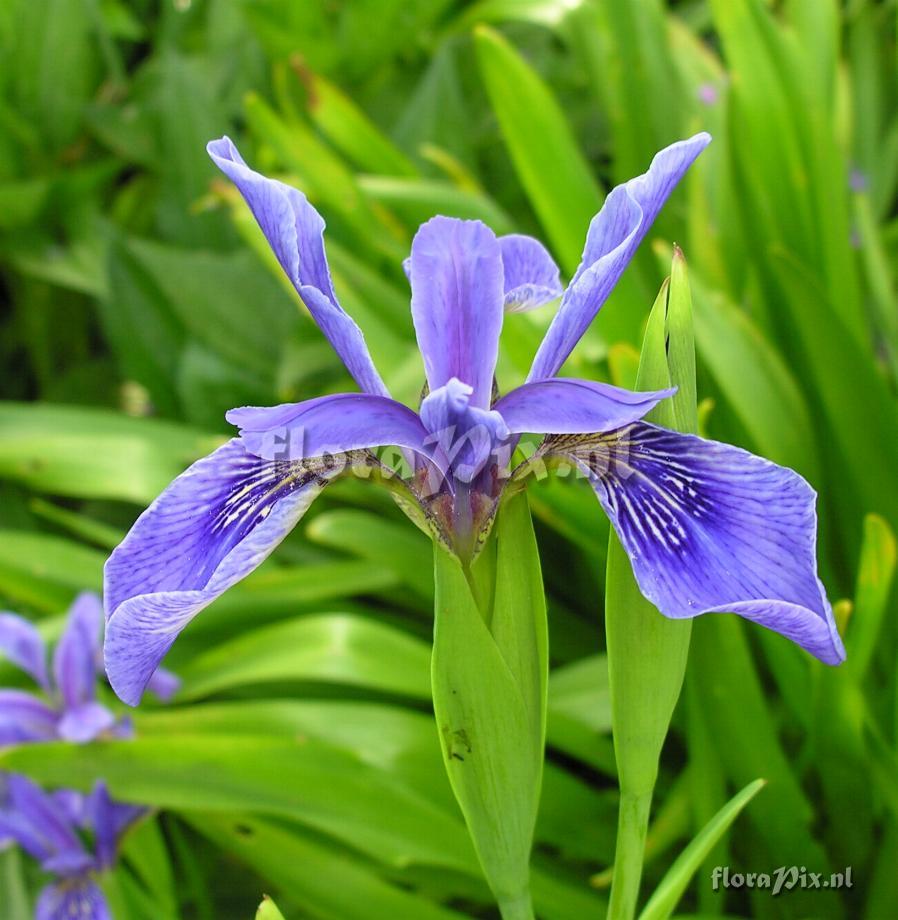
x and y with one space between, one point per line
138 303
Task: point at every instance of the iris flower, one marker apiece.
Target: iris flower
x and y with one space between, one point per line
69 709
49 827
708 527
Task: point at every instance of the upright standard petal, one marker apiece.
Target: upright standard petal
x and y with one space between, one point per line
328 425
295 231
22 644
614 235
75 657
531 275
108 819
568 406
457 303
209 529
24 717
710 528
79 899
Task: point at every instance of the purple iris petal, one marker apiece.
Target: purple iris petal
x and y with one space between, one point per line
531 275
75 657
210 528
71 803
295 231
457 297
80 724
24 717
69 863
710 528
614 235
465 434
22 644
72 900
328 425
567 406
163 684
31 817
108 819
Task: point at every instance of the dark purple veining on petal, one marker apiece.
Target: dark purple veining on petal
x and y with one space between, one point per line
711 528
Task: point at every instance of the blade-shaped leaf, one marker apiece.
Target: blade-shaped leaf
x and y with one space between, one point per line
665 897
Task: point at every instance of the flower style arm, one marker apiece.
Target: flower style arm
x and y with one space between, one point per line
568 406
329 425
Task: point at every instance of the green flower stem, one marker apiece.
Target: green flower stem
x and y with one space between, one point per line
490 676
520 908
647 652
632 826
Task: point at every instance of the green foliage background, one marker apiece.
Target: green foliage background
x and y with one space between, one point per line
138 302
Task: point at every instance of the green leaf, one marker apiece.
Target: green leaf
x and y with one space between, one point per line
875 575
329 647
300 778
188 111
749 746
229 302
629 60
647 652
756 381
392 544
350 130
268 910
549 13
21 202
579 714
417 200
489 676
145 851
668 893
52 66
94 453
554 174
311 872
274 592
325 178
12 884
45 571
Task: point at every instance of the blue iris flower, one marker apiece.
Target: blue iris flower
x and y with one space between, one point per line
708 527
67 708
53 829
52 826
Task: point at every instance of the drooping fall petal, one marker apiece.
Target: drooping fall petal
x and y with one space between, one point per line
210 528
711 528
